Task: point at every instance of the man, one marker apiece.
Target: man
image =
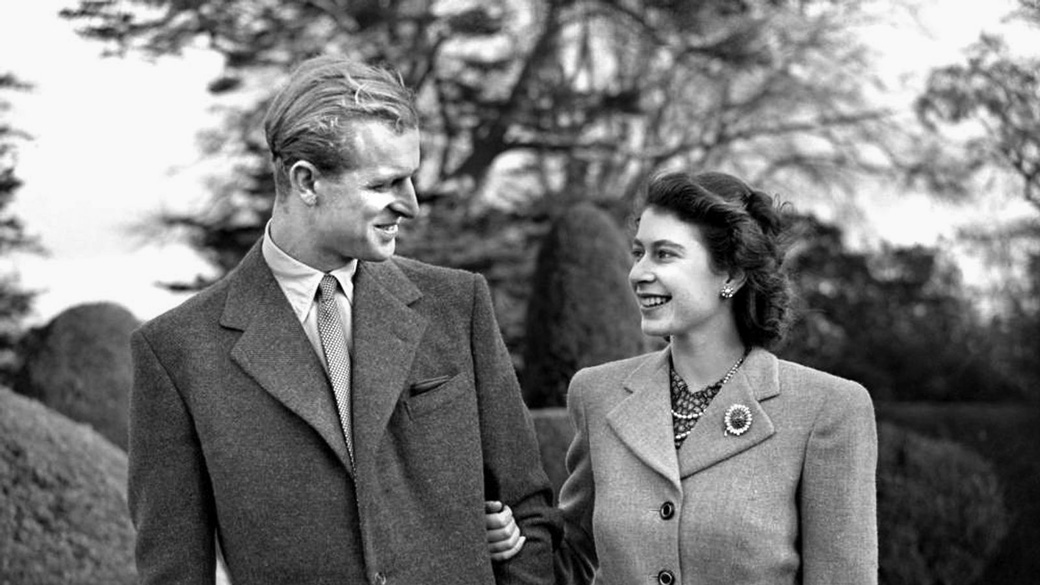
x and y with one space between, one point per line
330 413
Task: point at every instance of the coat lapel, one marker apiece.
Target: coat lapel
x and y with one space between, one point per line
708 444
275 352
387 333
643 419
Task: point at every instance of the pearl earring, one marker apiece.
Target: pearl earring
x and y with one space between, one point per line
727 292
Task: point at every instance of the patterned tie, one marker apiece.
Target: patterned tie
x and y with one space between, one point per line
337 356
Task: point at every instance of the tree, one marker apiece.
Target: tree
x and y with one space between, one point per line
898 320
993 99
582 312
15 302
531 105
1000 95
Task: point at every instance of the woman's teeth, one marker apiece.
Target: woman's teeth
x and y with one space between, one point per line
652 301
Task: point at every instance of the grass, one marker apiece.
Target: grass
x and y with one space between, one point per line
1009 436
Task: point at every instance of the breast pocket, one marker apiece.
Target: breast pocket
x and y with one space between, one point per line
430 395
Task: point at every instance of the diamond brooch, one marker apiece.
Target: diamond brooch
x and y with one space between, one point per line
738 420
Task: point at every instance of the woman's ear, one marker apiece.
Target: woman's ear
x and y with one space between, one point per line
303 176
736 280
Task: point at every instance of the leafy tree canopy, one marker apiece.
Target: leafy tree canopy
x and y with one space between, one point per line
531 104
895 319
993 98
15 302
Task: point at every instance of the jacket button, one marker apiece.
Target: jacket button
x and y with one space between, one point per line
667 510
666 577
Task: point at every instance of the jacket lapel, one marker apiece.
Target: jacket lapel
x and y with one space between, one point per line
643 419
275 352
387 333
708 444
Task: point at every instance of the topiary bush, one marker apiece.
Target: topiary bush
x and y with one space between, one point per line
941 513
581 311
79 365
63 517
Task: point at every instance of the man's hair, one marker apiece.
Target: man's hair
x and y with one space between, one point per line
743 230
311 117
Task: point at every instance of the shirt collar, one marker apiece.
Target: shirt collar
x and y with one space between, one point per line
299 281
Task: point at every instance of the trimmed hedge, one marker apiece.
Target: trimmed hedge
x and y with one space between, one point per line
581 311
79 365
63 518
941 513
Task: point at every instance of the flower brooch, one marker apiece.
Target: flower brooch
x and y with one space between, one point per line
738 420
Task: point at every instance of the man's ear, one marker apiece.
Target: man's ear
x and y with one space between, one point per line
302 177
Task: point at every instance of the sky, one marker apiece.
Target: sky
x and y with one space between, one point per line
114 142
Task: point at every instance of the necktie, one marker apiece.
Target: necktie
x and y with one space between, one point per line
334 342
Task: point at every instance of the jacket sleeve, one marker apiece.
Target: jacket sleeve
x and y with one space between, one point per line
838 494
169 493
576 560
513 471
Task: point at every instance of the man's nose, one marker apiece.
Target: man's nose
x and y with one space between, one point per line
406 203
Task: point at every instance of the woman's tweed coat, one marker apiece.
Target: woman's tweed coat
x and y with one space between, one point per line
792 500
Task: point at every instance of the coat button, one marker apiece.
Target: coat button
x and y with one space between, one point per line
667 510
666 577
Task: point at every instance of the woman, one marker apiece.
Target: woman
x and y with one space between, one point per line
712 461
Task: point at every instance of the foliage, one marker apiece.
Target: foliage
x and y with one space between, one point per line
582 312
1000 95
896 320
64 517
941 514
15 302
531 104
79 365
990 107
1008 436
1014 333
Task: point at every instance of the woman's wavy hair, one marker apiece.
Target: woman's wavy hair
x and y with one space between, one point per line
744 230
311 117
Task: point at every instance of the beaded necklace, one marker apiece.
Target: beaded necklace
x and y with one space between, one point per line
688 406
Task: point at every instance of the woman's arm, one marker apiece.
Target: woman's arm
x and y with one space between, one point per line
838 503
575 559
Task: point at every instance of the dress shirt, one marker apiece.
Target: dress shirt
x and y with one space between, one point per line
300 284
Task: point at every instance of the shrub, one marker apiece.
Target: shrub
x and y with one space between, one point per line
582 311
79 365
941 513
63 518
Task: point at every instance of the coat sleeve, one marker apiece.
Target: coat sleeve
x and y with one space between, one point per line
169 493
513 471
576 560
838 493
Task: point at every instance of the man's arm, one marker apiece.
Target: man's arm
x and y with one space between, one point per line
513 472
169 493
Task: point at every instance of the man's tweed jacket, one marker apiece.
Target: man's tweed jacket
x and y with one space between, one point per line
234 434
